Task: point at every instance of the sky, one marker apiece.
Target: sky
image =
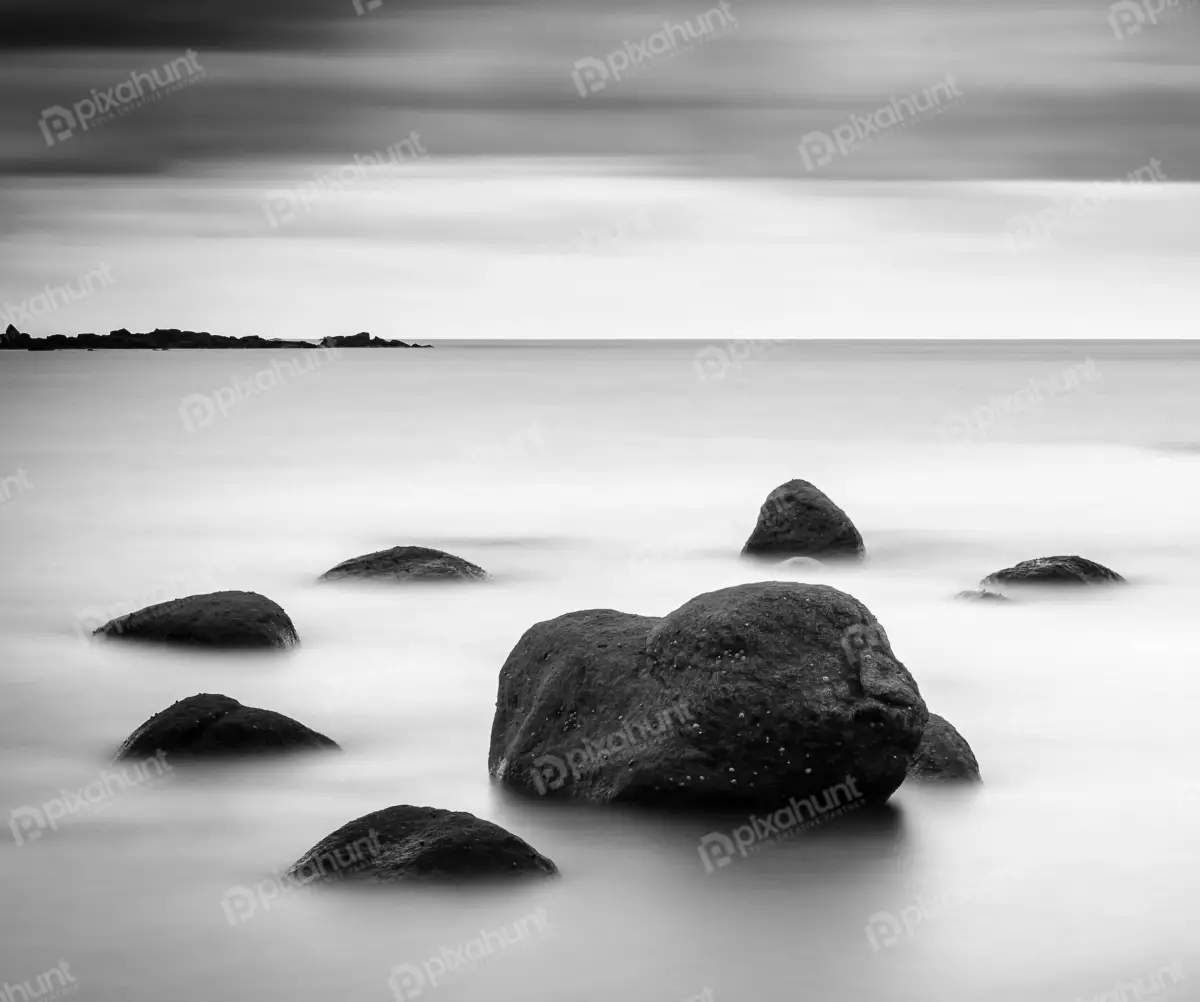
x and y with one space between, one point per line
1039 158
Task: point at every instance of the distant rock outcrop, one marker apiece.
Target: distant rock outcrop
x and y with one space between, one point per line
212 725
218 619
166 339
364 340
13 338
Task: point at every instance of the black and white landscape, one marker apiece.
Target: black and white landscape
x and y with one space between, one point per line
773 578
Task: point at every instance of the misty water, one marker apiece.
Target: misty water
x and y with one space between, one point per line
583 476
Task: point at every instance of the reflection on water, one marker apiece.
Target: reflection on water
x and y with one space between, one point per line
1073 870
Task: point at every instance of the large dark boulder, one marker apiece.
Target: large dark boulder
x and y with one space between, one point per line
407 563
211 725
943 754
218 619
411 843
1054 571
797 520
744 696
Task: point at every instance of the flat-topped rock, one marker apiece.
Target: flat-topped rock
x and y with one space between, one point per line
1061 570
211 725
407 563
236 619
422 843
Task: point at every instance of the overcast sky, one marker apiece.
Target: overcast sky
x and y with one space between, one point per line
1025 91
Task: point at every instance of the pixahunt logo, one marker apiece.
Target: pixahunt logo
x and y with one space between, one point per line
958 426
1146 986
43 986
591 74
27 823
283 206
240 903
819 148
549 772
11 487
55 297
1128 17
1025 232
199 410
58 124
883 928
713 363
717 848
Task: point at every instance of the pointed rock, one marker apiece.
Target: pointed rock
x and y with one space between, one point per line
798 520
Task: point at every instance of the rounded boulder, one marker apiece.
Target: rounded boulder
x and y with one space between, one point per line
211 725
406 563
1062 570
414 843
748 695
234 619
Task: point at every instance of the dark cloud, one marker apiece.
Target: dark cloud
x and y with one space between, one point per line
1048 92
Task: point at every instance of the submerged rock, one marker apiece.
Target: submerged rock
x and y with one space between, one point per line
982 595
797 520
943 754
423 843
407 563
217 619
212 725
801 564
743 696
1061 570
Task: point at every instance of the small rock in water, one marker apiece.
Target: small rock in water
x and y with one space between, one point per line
801 564
212 725
1061 570
943 754
798 520
219 619
982 595
407 563
410 843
